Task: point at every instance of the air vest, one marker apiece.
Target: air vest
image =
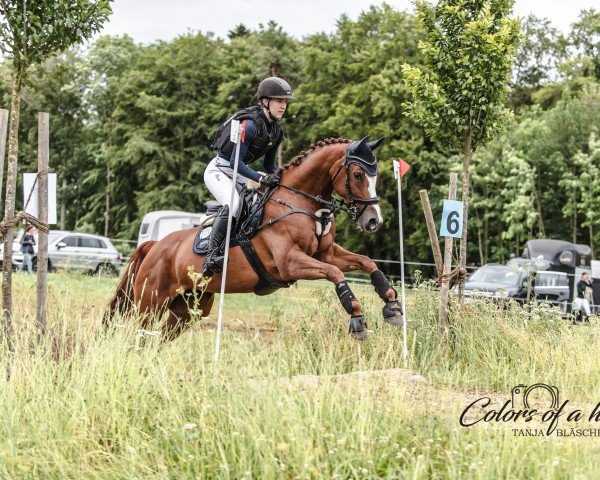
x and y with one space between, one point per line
260 145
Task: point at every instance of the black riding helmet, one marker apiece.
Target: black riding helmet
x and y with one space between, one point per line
274 87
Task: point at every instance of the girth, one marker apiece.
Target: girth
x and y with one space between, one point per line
266 283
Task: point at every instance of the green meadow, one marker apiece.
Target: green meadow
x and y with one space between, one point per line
285 400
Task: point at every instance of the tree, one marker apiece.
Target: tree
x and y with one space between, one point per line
240 30
517 199
539 55
108 62
589 187
585 38
460 99
31 32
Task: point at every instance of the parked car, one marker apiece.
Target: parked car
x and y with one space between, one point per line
511 281
74 250
495 281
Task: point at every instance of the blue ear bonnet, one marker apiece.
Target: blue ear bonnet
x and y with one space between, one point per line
361 153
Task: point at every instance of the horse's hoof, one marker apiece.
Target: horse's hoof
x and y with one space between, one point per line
392 313
358 328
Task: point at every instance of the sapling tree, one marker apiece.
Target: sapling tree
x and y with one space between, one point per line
459 95
30 32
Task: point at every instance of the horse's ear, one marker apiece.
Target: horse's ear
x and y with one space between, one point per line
375 143
362 141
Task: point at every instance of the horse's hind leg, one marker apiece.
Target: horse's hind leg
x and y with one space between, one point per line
181 311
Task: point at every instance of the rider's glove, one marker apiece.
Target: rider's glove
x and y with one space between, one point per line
271 180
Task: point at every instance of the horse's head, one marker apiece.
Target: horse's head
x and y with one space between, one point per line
357 186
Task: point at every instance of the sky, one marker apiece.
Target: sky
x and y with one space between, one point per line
150 20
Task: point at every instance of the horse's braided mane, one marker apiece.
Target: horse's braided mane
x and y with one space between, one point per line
297 160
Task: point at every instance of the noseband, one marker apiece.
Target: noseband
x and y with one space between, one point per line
368 166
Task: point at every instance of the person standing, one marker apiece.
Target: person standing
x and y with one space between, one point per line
27 249
581 305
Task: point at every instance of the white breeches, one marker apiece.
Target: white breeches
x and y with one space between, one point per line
582 304
218 178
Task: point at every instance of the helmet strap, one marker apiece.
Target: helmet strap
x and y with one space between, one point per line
268 107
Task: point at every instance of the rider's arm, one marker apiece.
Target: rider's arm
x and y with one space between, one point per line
243 169
270 163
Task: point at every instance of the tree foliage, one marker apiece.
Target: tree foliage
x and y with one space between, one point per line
131 123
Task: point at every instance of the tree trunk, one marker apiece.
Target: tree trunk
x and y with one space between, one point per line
107 201
3 130
63 205
592 240
9 206
539 209
108 174
467 152
574 213
479 240
574 221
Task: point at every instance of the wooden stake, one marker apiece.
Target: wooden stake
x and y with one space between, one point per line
447 263
433 238
42 257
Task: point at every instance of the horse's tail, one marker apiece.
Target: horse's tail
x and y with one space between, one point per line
123 298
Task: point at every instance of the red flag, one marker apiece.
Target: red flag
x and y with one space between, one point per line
404 167
400 166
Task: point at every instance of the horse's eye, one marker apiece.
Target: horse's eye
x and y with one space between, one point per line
357 175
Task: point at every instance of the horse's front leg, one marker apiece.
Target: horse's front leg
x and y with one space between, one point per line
299 266
347 261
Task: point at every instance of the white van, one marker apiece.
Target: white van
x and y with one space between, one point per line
157 225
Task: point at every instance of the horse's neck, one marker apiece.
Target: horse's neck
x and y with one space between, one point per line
314 174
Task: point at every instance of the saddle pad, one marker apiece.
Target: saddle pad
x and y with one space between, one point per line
201 240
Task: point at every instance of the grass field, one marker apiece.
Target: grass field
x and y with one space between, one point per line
86 404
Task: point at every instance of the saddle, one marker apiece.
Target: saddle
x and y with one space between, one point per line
252 209
253 205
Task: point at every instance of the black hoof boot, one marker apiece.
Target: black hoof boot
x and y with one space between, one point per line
358 327
392 313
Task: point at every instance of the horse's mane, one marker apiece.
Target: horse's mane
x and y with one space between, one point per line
297 160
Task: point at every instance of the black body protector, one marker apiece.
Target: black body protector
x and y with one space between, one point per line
260 145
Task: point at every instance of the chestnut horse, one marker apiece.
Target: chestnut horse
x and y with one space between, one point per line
157 279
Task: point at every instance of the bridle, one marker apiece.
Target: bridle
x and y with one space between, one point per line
351 207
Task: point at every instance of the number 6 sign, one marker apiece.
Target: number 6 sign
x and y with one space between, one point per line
452 219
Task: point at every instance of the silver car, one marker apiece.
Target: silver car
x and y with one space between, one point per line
77 251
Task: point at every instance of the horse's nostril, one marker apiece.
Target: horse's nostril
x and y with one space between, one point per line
372 223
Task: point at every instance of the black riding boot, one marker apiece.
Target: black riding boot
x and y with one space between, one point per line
213 263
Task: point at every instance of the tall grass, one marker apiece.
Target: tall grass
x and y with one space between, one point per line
93 404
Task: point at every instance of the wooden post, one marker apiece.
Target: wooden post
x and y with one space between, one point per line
447 263
433 238
42 257
3 132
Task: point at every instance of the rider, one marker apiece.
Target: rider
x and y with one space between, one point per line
261 136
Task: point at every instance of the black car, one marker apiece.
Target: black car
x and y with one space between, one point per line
513 281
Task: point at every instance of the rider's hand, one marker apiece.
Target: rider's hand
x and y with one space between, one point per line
270 180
